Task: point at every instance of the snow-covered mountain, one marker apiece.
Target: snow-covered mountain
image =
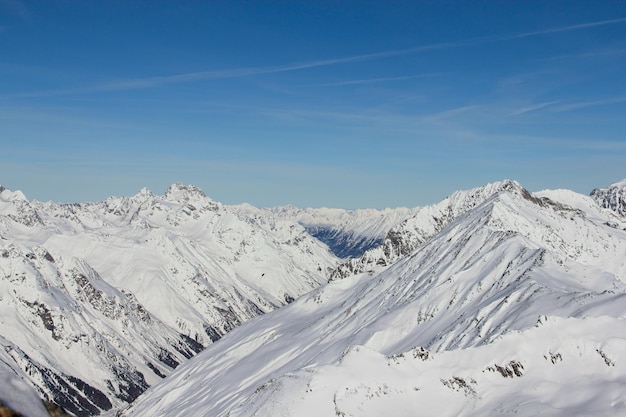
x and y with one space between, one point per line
421 225
99 301
613 197
348 233
512 304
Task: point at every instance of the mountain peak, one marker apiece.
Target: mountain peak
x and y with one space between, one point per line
143 195
619 184
506 185
145 192
490 189
182 192
9 195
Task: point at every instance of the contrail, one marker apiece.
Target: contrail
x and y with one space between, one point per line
297 66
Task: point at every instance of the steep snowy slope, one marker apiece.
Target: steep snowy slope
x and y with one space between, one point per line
613 197
514 307
99 301
348 233
424 223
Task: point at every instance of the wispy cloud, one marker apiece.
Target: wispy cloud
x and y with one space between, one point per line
298 66
603 53
600 145
447 114
571 27
17 8
585 104
378 80
148 82
532 108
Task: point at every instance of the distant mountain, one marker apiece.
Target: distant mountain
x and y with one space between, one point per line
613 197
510 303
348 233
344 244
99 301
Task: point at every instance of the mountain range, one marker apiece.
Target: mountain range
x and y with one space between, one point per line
100 301
494 301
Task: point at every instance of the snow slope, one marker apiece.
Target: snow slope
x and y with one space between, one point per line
99 301
514 307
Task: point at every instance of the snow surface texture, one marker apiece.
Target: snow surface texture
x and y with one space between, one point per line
513 307
99 301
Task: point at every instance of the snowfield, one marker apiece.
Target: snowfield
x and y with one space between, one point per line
515 307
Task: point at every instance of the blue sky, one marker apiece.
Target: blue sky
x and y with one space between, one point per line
314 103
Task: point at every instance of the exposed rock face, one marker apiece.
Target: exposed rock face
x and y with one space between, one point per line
53 409
7 412
613 197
